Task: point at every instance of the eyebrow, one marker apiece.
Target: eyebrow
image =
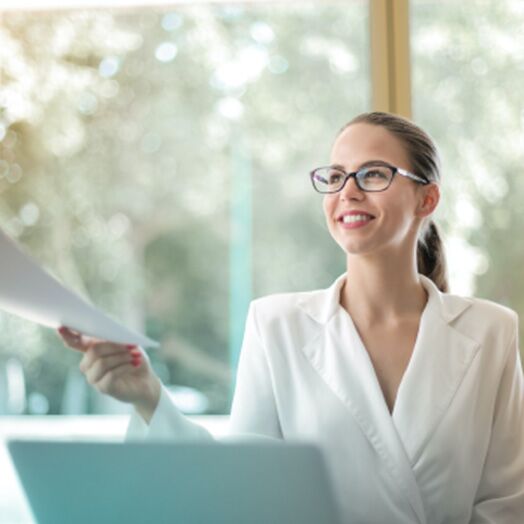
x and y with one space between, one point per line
365 164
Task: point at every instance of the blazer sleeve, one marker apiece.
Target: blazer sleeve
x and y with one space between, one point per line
167 423
253 413
254 409
500 494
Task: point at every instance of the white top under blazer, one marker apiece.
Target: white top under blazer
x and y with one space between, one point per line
452 451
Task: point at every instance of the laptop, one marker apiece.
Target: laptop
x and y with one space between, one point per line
175 483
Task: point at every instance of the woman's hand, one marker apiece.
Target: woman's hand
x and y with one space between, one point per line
121 371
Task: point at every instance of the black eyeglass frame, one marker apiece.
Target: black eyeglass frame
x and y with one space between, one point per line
354 174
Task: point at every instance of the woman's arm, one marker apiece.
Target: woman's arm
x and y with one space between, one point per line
500 495
166 422
253 411
124 372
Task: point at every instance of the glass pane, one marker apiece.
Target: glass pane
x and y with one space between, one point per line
156 161
468 64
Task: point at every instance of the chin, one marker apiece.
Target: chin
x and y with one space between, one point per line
355 247
348 242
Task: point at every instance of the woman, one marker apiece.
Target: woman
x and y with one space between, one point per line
415 395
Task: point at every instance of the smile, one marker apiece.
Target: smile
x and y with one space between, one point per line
355 221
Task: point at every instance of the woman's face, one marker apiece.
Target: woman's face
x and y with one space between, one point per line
397 211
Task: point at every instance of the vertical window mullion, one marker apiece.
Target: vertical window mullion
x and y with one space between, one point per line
390 58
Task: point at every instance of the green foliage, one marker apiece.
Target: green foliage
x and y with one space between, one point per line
117 165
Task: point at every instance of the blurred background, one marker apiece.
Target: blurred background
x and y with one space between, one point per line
155 160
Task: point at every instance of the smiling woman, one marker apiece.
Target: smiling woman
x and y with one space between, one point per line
381 370
385 142
154 160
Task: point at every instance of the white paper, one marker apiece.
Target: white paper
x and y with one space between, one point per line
28 291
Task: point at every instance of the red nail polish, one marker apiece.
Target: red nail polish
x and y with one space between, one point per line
135 363
131 346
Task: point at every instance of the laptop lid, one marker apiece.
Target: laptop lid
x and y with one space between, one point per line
184 482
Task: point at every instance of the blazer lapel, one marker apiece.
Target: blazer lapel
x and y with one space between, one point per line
342 361
439 362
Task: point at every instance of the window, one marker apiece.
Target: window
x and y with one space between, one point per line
156 160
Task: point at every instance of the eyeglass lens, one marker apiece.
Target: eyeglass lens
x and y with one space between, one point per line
330 180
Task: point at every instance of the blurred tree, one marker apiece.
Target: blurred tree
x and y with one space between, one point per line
116 165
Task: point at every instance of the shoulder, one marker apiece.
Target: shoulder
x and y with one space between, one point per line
487 321
281 317
279 304
491 311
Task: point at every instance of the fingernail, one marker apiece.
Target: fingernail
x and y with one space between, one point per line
135 363
131 346
135 353
61 329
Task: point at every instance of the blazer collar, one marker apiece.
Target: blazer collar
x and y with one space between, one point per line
322 304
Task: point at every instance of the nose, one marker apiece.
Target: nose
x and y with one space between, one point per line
351 190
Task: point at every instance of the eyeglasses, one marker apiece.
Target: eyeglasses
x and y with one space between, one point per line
331 179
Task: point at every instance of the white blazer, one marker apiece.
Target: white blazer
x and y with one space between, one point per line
452 452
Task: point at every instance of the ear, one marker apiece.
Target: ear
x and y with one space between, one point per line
430 196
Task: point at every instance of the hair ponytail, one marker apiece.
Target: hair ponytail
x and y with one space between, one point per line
424 158
431 260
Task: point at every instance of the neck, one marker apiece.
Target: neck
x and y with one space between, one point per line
382 290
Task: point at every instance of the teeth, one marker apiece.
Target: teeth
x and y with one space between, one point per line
348 219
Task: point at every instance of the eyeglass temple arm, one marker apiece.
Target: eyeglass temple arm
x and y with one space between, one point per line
412 176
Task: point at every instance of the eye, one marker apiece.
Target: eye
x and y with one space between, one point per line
334 177
376 173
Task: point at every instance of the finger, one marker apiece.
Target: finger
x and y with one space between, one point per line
75 340
105 364
103 350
